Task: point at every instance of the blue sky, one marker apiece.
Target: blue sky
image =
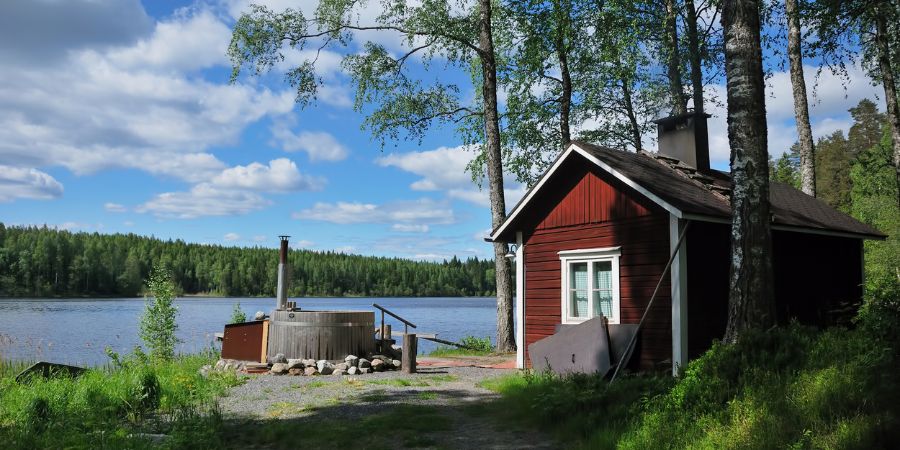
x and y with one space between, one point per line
117 116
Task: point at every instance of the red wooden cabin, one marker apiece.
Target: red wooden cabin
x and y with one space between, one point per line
594 234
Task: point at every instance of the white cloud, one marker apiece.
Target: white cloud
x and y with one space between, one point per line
423 211
319 145
260 238
130 104
829 102
303 244
203 200
281 175
409 228
16 183
231 237
128 223
115 207
444 169
191 40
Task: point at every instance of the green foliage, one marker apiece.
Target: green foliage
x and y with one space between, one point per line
110 407
874 197
787 168
38 262
790 387
158 323
473 346
237 314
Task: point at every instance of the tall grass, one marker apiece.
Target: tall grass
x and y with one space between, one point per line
110 407
791 387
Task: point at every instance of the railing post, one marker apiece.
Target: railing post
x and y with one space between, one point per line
408 359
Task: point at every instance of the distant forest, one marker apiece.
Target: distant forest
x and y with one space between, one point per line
44 262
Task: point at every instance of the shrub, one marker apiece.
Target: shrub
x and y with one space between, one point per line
158 323
237 314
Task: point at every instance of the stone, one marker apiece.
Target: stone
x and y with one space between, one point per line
204 371
351 360
229 366
352 371
310 370
279 358
325 367
378 365
364 370
364 363
339 372
309 363
259 315
295 364
381 357
279 369
295 371
220 365
341 366
397 351
396 363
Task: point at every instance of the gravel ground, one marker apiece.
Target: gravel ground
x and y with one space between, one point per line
451 389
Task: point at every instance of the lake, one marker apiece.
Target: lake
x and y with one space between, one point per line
76 331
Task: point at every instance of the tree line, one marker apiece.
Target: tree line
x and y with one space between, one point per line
599 70
41 262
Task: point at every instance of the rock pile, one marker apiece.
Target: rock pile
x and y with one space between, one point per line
279 365
352 365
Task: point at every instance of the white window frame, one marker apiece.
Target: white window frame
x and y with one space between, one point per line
590 256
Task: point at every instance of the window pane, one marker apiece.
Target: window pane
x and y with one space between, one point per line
603 303
602 289
603 275
578 290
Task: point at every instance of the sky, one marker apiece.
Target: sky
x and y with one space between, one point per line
117 116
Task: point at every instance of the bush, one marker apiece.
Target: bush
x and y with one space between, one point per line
158 323
237 314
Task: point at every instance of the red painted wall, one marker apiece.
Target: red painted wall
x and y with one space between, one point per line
582 209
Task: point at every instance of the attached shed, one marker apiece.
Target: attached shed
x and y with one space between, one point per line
593 237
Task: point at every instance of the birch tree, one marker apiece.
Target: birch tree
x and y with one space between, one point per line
402 105
801 108
751 302
842 27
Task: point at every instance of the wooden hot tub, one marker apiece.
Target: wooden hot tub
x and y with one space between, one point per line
322 334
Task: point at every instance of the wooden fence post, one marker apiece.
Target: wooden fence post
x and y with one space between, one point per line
408 361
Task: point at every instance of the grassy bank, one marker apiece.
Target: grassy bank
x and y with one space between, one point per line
113 407
792 387
469 346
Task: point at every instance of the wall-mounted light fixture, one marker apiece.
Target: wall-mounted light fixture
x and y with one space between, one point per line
512 252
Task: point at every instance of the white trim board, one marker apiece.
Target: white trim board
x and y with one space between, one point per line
520 301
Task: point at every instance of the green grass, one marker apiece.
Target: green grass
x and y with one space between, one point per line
792 387
416 382
105 407
403 426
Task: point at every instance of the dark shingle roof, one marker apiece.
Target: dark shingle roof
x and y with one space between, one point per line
705 193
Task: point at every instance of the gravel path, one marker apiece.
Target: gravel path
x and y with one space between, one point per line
452 390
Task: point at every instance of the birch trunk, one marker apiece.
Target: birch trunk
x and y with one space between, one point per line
887 81
676 89
751 301
801 108
694 55
505 333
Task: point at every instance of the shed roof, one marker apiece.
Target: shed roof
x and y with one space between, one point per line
691 194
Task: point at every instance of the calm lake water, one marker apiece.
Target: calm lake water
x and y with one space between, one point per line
76 331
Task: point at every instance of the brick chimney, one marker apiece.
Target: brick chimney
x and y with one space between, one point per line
685 138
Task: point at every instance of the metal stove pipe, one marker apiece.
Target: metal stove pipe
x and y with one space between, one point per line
281 293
